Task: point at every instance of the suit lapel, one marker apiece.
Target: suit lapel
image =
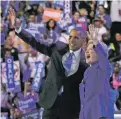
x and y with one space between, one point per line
63 51
80 62
82 58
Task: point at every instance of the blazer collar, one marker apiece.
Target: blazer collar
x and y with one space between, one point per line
66 49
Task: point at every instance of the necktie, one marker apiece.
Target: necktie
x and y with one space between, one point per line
67 65
68 62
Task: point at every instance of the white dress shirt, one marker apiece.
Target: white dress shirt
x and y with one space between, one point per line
74 66
75 62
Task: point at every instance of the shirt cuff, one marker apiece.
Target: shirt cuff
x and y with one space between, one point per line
18 30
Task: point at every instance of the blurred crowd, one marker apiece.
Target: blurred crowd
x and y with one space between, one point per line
105 15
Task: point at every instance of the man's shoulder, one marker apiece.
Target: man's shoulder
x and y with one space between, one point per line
61 45
103 30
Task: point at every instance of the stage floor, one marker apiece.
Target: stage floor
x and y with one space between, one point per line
117 115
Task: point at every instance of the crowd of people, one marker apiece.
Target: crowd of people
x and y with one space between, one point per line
47 83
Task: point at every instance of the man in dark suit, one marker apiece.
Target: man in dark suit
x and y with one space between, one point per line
60 94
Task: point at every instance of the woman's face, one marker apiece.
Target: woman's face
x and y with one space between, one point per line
90 54
118 37
51 24
76 16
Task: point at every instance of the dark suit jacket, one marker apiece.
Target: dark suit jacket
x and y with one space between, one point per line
56 75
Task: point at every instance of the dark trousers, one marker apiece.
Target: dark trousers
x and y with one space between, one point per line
57 112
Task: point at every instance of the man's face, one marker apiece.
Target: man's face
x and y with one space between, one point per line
101 10
32 18
75 42
97 24
90 54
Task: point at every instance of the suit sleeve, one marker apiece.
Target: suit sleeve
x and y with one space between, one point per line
29 39
102 58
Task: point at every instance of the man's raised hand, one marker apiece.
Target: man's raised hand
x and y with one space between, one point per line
12 17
